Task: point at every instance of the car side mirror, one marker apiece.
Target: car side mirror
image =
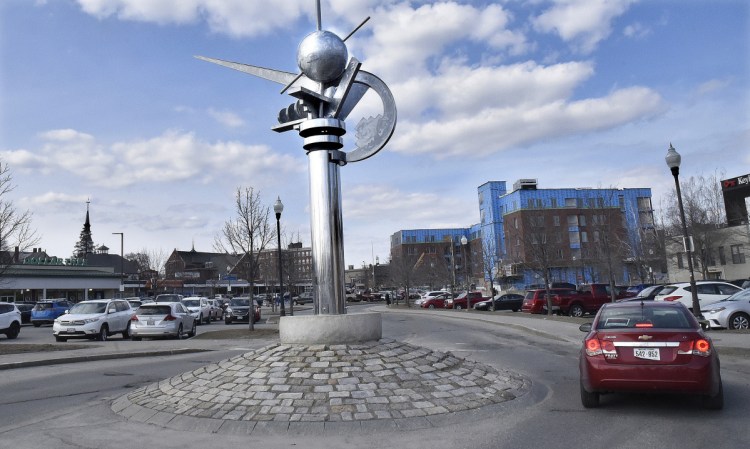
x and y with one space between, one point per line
112 310
585 327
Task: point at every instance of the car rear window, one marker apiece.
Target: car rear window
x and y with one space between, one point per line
154 310
667 290
643 317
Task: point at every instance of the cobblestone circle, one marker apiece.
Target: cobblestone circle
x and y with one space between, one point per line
326 383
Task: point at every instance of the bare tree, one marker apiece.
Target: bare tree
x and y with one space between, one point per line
489 264
402 272
15 225
704 212
536 241
248 233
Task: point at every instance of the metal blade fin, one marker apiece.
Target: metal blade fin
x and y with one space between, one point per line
277 76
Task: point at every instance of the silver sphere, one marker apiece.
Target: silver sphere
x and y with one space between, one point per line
322 56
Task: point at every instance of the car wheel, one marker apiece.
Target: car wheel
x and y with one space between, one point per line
431 306
200 320
208 320
715 402
192 331
178 336
126 332
515 310
36 324
227 321
576 311
739 321
103 333
136 338
458 307
589 400
13 331
60 339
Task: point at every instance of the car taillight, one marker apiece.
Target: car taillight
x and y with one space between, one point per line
672 298
595 347
169 318
134 318
701 347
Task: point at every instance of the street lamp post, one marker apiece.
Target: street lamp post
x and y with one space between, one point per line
673 159
122 263
464 241
278 207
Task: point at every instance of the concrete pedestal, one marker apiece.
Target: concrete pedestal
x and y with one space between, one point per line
330 329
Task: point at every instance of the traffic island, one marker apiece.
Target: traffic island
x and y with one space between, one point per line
355 383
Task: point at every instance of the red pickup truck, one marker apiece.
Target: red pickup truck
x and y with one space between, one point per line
588 299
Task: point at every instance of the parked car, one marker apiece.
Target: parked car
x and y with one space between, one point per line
25 308
199 307
162 319
589 298
217 311
10 320
708 292
435 301
460 302
238 311
304 298
137 301
647 294
648 347
45 312
94 319
730 313
535 300
168 297
506 301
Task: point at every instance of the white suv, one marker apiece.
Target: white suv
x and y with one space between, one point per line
708 292
199 308
96 319
10 320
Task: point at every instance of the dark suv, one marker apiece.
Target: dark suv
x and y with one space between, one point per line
45 312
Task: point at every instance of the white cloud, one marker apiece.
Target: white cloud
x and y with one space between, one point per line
55 198
581 23
238 18
636 30
173 156
226 118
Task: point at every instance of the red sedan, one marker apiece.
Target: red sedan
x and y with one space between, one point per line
648 346
435 302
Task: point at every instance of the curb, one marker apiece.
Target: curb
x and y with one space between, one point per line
95 357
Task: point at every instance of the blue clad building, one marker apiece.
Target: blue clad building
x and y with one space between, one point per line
577 222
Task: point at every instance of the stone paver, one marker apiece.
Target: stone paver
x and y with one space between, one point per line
278 385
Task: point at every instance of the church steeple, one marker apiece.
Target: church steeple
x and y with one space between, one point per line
85 243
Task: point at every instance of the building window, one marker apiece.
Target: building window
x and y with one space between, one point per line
680 263
553 202
570 202
515 222
600 203
531 203
596 236
591 203
581 220
738 256
584 237
572 220
722 256
539 204
644 203
574 238
556 220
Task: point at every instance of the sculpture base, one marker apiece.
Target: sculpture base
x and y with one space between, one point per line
330 329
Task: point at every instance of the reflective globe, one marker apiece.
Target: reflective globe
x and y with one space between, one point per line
322 56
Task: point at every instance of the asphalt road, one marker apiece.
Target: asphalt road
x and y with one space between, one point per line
41 406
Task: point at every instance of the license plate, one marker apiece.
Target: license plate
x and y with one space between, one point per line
647 353
71 330
150 323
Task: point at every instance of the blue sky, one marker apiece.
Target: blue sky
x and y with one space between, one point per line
103 100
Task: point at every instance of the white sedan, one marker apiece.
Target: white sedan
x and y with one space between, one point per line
730 313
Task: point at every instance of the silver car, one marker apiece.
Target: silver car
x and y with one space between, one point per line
199 307
162 319
730 313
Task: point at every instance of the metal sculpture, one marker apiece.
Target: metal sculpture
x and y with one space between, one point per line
328 87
